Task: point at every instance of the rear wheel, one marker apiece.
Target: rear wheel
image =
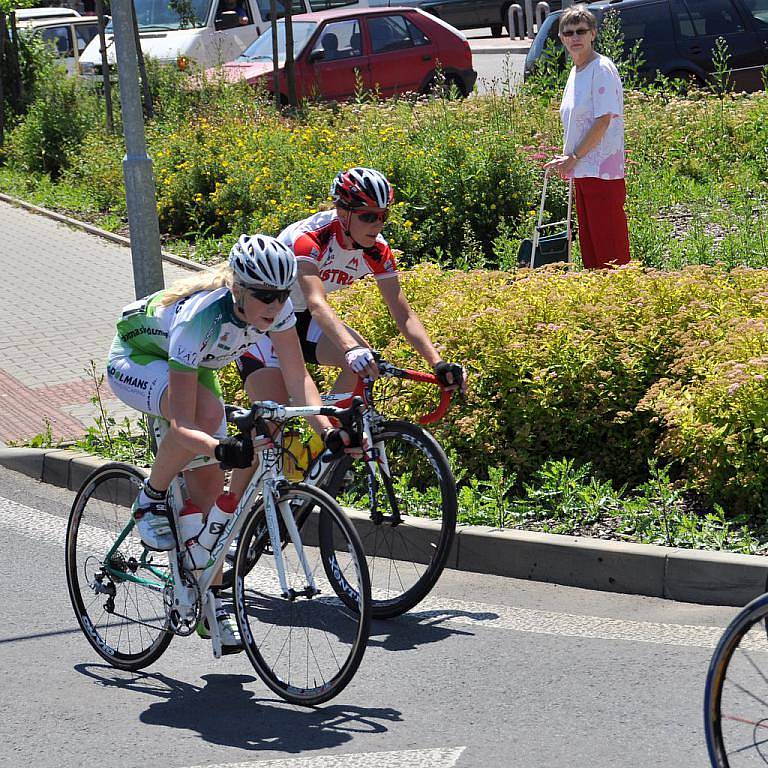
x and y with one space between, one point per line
115 584
306 643
407 529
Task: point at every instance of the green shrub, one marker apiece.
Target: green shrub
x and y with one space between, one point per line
601 368
58 120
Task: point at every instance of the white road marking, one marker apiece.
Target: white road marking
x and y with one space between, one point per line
42 526
409 758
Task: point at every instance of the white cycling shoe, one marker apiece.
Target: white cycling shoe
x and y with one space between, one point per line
230 636
153 525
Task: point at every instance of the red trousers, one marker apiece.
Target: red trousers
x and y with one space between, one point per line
603 234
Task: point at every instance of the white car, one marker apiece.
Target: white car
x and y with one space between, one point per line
24 15
68 35
202 32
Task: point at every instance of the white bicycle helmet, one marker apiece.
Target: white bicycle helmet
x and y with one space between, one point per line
263 260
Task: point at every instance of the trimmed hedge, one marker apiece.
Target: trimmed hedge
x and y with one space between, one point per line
610 368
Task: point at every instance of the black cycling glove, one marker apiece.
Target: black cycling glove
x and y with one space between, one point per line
442 369
234 453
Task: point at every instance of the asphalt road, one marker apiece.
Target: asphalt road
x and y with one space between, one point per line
498 72
487 672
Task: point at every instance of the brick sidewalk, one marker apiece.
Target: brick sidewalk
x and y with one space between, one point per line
60 295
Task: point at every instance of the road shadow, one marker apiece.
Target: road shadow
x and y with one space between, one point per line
224 712
407 632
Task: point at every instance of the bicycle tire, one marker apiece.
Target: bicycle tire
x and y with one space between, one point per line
330 638
125 621
419 468
721 694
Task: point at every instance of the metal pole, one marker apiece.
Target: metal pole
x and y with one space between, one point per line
3 33
290 72
137 166
149 110
275 52
105 68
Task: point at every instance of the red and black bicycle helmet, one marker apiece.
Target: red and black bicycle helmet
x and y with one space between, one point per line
361 188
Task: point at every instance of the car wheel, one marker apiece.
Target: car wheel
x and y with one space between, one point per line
451 80
497 29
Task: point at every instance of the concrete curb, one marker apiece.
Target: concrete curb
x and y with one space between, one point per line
103 233
712 578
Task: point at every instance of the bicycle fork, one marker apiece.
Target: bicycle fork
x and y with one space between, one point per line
271 508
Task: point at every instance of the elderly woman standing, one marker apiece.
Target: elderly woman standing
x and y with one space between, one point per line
592 112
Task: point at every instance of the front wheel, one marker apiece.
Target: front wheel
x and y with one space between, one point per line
408 525
735 708
115 583
305 643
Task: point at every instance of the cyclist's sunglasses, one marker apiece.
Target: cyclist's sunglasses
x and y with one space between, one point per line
581 31
369 217
268 295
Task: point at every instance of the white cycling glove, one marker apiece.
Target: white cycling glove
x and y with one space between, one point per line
358 358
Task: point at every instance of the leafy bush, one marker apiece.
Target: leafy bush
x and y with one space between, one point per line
607 369
58 120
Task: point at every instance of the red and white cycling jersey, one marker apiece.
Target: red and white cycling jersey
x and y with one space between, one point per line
318 241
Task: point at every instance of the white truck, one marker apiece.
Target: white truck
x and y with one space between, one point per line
204 33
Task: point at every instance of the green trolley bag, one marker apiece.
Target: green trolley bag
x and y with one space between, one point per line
547 249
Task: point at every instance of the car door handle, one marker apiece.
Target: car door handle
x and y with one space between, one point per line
694 49
426 57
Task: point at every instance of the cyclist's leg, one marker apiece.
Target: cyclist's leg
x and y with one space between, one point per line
262 380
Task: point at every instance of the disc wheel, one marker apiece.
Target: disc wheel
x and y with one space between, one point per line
115 583
305 643
408 529
736 693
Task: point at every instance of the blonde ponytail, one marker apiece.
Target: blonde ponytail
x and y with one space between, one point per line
219 276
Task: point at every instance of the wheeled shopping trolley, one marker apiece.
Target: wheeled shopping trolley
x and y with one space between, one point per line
548 249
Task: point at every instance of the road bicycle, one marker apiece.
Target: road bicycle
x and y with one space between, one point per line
401 496
303 640
736 692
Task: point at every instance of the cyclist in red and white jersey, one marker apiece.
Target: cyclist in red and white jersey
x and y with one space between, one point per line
334 249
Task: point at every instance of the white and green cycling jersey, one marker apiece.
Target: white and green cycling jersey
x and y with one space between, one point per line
199 333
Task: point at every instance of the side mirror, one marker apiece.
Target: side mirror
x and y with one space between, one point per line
315 56
227 20
80 45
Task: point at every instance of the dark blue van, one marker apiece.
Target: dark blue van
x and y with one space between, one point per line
678 36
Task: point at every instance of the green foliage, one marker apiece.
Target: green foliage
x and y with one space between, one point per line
606 369
57 121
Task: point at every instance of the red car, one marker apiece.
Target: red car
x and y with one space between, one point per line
391 50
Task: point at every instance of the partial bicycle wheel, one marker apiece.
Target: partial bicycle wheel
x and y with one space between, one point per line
409 526
736 693
305 643
115 583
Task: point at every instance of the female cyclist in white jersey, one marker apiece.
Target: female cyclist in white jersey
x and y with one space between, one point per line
163 362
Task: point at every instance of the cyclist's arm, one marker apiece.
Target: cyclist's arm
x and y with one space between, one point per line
180 412
407 320
298 383
317 303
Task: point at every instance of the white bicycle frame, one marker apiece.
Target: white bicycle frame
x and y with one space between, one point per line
264 480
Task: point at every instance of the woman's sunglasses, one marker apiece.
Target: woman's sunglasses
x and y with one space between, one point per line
368 217
268 295
581 31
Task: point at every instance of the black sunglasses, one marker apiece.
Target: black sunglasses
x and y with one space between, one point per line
369 217
581 31
268 295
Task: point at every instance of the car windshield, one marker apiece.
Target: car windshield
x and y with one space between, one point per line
261 48
170 14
